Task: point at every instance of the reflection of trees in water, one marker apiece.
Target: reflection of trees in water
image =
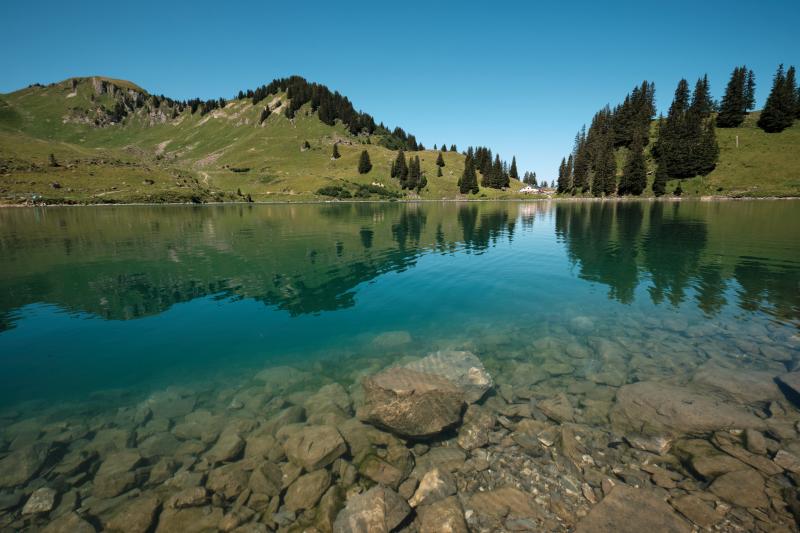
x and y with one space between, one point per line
603 239
611 241
482 229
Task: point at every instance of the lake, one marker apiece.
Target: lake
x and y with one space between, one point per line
120 324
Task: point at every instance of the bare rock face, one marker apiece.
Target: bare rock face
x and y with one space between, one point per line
411 403
649 407
378 510
314 447
462 368
630 510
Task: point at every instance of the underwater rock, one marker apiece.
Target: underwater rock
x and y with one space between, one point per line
228 480
790 386
411 403
190 520
745 386
630 510
69 523
228 447
696 510
188 497
306 491
442 516
464 369
435 485
136 516
650 407
314 447
116 474
41 501
378 510
474 432
743 487
558 408
504 501
21 465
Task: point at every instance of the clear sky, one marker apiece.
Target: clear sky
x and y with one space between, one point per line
519 77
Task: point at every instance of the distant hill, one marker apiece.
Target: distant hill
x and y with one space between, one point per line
112 141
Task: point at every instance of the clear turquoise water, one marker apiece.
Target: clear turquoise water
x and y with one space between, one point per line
134 299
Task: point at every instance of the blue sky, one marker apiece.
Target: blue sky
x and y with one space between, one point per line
520 77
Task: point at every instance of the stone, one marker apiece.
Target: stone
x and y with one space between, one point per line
504 501
557 408
170 404
755 442
21 465
116 474
790 386
411 403
9 501
314 447
474 432
228 447
630 510
787 461
745 386
462 368
407 488
696 510
450 459
259 446
267 479
329 398
380 471
137 516
189 520
650 407
443 516
329 506
307 490
69 523
162 471
743 487
159 445
188 497
378 510
110 440
41 501
435 485
228 480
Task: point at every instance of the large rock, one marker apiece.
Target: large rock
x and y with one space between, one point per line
191 520
411 403
650 407
443 516
790 386
117 474
462 368
745 386
228 480
504 501
630 510
314 447
436 485
378 510
22 464
306 491
136 516
474 432
41 501
69 523
743 487
228 447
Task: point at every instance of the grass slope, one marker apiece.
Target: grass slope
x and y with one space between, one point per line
205 158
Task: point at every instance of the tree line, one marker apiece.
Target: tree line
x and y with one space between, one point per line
685 143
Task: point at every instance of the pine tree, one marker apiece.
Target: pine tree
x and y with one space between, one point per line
581 163
533 179
605 179
701 99
512 172
440 160
335 153
53 161
438 172
422 183
750 91
779 111
469 180
399 168
364 164
444 147
634 174
736 100
453 148
708 150
678 190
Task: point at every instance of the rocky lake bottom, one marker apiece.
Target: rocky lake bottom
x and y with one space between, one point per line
190 381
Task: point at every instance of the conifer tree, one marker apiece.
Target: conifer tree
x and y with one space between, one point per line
453 148
512 172
701 99
438 172
581 163
736 100
444 147
335 153
634 174
660 181
469 180
750 91
779 111
605 180
440 160
364 164
563 185
399 168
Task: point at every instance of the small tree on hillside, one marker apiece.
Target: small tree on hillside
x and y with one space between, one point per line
660 182
780 109
364 164
438 172
469 179
335 153
53 162
440 160
512 172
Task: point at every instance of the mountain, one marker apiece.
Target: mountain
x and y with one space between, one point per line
111 142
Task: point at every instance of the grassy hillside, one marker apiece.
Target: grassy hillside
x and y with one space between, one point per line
156 155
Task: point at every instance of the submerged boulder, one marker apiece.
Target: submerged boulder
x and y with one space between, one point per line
378 510
314 447
464 369
411 403
651 407
632 510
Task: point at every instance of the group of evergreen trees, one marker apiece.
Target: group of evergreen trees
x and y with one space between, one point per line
783 103
409 174
739 98
495 173
468 182
529 178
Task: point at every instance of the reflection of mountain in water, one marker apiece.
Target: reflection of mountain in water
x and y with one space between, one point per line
688 245
122 263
